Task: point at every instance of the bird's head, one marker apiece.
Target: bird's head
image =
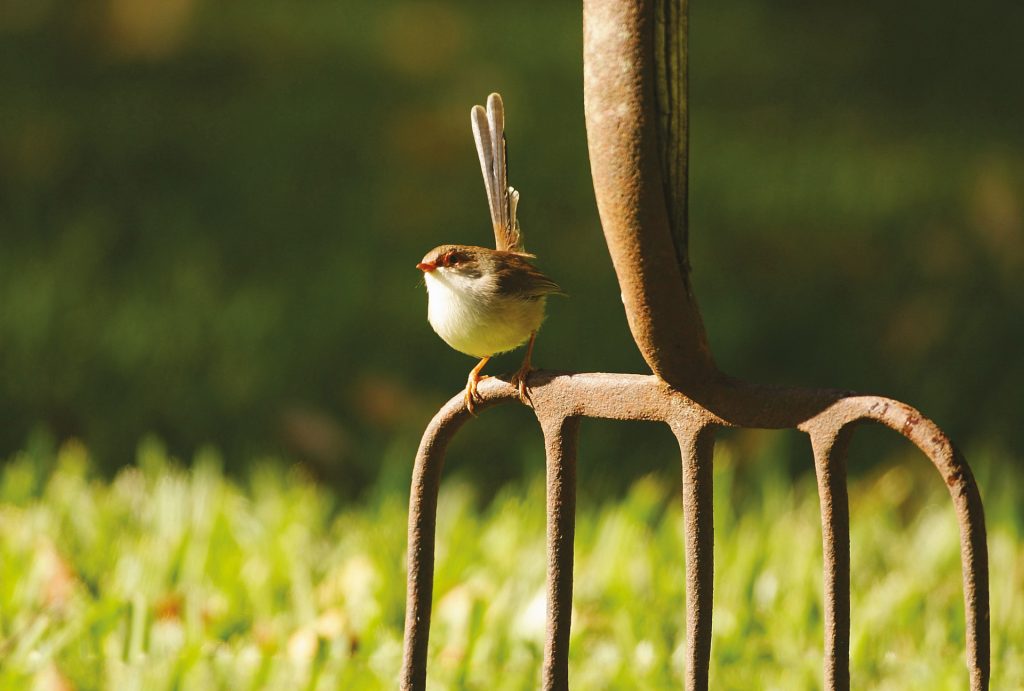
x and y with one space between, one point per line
458 266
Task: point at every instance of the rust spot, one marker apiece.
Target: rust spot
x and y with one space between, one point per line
910 424
955 478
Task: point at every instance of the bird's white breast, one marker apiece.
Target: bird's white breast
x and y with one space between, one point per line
472 318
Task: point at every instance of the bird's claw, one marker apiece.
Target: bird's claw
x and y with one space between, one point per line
472 396
518 380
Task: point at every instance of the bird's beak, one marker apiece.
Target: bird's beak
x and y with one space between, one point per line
426 267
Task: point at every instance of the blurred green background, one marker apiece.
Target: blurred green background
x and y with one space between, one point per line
209 216
210 213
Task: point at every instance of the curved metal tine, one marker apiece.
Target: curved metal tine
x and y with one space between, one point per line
974 568
830 468
963 489
426 482
561 437
970 514
697 446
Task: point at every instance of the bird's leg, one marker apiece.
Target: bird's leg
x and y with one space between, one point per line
471 382
519 378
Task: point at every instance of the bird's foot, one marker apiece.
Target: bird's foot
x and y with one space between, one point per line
518 380
472 397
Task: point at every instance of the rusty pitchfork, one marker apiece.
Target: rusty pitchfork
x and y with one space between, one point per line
635 92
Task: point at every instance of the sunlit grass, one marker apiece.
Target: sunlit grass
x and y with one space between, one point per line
170 578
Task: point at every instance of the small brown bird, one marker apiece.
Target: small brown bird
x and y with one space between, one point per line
482 301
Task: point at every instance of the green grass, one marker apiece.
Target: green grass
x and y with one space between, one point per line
171 578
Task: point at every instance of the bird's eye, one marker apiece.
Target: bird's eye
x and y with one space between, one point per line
453 259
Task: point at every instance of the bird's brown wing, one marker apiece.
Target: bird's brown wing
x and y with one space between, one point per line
517 276
489 134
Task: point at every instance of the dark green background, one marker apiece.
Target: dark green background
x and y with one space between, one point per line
210 212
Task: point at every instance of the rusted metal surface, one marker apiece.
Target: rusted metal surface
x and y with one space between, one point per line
560 437
697 446
561 398
629 135
835 423
426 482
559 401
618 94
671 92
636 130
830 466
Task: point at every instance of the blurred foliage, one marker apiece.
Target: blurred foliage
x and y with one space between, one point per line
210 211
169 578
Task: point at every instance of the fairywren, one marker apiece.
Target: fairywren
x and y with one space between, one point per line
482 301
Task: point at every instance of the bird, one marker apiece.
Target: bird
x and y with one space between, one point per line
484 301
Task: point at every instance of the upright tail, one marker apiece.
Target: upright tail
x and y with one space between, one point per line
489 134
